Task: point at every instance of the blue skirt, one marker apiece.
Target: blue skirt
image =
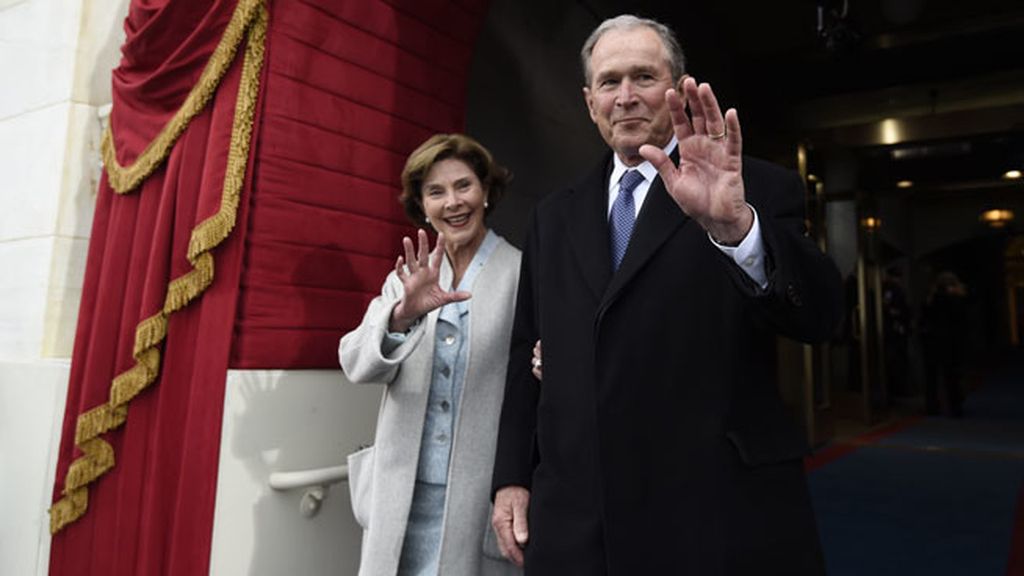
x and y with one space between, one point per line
421 547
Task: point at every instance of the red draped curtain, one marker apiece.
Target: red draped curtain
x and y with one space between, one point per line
353 88
246 215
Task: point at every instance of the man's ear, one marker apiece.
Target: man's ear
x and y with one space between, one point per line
589 99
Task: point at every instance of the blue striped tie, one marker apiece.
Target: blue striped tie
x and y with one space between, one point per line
623 215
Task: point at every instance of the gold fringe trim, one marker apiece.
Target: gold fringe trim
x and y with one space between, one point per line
149 332
124 179
99 457
187 287
130 383
69 508
97 421
98 454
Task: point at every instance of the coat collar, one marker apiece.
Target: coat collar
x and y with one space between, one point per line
588 231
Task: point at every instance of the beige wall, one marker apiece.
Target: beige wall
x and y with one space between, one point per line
56 57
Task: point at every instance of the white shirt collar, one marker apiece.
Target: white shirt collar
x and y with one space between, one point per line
646 168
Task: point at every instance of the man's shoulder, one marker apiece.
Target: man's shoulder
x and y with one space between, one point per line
765 169
588 182
768 183
555 199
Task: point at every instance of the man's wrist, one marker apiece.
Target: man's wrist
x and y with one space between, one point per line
732 236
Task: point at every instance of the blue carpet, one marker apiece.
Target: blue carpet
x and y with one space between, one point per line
885 511
1001 396
936 498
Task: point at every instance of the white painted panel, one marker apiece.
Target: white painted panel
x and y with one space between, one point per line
37 48
23 295
99 49
284 421
31 412
63 296
81 171
33 167
5 4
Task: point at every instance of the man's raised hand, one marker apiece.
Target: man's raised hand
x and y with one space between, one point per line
708 183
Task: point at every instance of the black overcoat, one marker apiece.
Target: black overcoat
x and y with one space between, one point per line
657 442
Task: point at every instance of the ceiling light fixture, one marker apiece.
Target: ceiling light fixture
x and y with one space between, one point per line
1011 174
904 183
871 223
996 218
890 131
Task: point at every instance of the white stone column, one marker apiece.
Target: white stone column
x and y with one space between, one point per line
55 59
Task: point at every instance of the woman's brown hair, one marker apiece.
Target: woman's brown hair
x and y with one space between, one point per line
493 177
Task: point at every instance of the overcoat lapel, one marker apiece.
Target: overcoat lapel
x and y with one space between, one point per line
658 219
588 229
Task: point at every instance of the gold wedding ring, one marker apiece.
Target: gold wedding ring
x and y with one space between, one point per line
717 136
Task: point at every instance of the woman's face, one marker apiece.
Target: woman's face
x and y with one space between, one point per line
453 200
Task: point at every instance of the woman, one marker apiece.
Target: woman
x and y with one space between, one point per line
422 492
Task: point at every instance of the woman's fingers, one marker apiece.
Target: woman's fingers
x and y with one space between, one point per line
410 254
400 268
457 296
438 253
424 247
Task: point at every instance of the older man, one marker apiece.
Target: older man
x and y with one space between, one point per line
657 442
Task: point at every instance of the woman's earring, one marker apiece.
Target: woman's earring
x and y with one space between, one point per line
486 205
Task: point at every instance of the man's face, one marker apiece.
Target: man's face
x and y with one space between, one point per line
626 96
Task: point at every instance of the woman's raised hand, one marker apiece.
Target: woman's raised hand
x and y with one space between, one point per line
420 273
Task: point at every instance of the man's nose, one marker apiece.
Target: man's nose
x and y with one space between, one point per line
626 94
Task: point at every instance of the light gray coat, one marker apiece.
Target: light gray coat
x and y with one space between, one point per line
382 477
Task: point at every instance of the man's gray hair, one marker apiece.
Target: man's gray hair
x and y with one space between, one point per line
676 60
